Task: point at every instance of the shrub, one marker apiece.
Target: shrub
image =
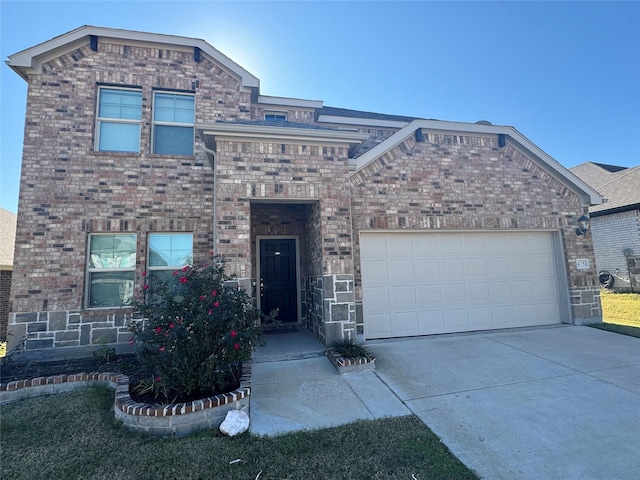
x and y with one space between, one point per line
194 333
351 349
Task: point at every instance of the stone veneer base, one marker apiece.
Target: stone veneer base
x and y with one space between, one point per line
176 420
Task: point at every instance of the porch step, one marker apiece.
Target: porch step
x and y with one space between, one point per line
288 346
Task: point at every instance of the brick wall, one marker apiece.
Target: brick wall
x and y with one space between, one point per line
612 235
68 190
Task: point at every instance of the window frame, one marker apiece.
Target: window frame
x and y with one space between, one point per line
164 123
115 120
275 113
164 268
92 270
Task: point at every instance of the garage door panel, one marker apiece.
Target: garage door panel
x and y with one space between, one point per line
478 293
426 283
399 245
454 293
426 270
452 268
403 296
405 323
377 296
428 295
375 272
475 268
480 318
501 292
400 270
456 319
375 245
430 321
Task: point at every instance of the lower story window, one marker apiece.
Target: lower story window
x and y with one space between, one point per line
110 270
168 252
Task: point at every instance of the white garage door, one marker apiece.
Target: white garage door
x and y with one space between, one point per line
425 283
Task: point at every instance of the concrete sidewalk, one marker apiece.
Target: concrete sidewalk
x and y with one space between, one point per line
295 387
553 403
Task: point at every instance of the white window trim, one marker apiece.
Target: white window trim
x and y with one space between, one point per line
165 267
171 124
90 270
100 119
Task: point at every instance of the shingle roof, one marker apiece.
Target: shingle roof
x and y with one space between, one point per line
344 112
277 123
620 185
7 237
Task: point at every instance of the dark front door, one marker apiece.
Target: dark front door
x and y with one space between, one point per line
278 283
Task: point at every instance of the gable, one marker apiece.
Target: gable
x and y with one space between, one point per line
504 135
31 60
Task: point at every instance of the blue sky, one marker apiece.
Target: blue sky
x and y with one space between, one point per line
564 74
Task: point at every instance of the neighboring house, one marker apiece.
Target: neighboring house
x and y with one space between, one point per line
7 241
615 224
144 152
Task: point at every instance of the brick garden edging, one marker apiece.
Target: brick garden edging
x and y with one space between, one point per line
351 365
176 420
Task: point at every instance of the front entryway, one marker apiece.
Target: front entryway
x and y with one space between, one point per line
278 278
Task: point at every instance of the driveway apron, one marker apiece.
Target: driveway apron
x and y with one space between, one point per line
544 403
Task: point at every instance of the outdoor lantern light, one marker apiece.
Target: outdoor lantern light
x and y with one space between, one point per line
583 225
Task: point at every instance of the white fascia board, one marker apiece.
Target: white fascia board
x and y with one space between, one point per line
289 102
32 58
552 166
208 132
363 122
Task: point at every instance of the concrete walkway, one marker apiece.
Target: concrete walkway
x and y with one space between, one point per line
543 403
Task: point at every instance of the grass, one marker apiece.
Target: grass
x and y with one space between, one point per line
75 435
620 313
621 308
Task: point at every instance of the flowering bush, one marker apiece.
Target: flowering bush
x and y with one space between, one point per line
194 333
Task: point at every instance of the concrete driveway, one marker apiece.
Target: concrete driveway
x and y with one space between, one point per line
544 403
558 402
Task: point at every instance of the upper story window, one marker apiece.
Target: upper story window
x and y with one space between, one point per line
173 120
275 116
119 116
168 252
111 267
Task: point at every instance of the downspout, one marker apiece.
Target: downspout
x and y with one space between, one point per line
215 196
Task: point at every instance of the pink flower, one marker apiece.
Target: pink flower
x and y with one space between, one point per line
145 286
202 298
158 329
234 334
217 304
184 279
236 346
172 325
144 274
161 349
214 293
180 319
176 273
157 379
210 312
185 268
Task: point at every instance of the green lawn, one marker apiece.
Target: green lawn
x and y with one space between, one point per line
74 435
621 308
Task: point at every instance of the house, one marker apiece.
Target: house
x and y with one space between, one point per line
144 152
615 225
7 240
